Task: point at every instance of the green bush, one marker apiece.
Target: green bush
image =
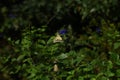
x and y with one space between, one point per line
59 40
92 57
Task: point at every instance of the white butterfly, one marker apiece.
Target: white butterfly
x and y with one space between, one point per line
58 38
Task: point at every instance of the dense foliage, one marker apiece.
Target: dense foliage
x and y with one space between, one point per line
59 40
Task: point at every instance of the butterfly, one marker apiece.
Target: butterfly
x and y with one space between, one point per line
58 38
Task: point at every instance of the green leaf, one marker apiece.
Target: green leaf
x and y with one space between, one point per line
109 74
45 78
118 62
104 78
20 57
92 79
88 69
18 69
59 6
50 41
69 77
118 73
81 78
99 74
13 59
110 65
42 42
71 72
114 57
62 56
3 9
118 78
116 45
42 30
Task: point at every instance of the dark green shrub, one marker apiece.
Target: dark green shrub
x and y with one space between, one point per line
59 40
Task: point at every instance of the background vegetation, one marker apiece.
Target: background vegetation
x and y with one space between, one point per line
59 40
